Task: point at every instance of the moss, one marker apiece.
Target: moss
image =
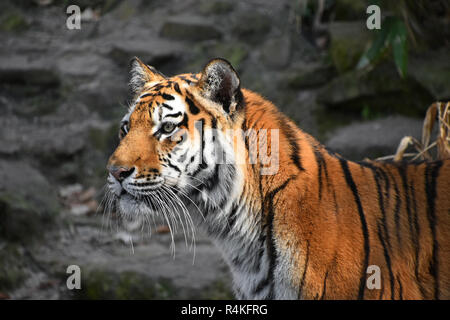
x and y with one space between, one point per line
103 284
236 53
20 219
348 42
11 267
219 290
13 22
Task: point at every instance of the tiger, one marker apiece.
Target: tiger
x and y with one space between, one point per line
314 226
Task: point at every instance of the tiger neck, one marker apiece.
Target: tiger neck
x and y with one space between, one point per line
241 227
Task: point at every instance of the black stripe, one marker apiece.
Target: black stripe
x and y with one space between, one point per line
397 206
319 160
173 115
417 245
400 289
202 164
365 231
378 176
146 95
232 217
192 107
382 228
271 250
387 257
302 282
167 96
184 122
185 79
324 286
166 106
292 139
177 88
173 166
402 172
431 174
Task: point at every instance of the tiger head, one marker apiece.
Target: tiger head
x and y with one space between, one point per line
172 135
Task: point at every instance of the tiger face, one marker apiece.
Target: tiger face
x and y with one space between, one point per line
172 135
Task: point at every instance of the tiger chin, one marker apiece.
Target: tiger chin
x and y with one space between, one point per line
293 220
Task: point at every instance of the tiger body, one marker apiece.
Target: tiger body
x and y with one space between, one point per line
308 231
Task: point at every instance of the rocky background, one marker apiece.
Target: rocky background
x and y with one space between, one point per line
63 92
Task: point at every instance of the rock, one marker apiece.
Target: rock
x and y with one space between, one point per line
432 71
208 7
236 53
277 52
189 29
75 64
251 26
369 139
27 201
348 41
310 76
13 21
51 143
302 110
104 95
112 268
380 90
23 70
350 10
159 53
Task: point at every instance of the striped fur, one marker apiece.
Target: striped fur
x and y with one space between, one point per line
311 230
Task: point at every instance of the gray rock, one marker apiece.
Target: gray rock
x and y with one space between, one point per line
381 89
311 75
27 201
22 69
432 71
373 139
189 29
153 51
208 7
276 52
114 270
251 26
78 64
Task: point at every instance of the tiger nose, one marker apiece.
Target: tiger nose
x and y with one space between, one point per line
120 173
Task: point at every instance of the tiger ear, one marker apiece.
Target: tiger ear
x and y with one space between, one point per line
142 74
220 83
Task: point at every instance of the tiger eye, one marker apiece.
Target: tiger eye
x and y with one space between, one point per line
168 127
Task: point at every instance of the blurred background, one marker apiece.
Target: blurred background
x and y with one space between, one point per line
63 92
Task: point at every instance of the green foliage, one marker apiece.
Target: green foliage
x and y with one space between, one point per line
392 36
